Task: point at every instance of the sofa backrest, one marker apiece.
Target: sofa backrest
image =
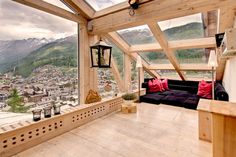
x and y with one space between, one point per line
190 86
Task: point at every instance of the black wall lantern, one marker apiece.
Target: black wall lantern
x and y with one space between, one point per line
101 55
134 4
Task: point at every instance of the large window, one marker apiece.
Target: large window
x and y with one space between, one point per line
38 61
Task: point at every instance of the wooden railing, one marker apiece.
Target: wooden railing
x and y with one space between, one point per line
23 135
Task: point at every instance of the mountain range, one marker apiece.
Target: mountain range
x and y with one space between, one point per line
23 56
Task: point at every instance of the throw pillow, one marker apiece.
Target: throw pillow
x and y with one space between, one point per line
153 86
158 83
165 84
205 89
161 85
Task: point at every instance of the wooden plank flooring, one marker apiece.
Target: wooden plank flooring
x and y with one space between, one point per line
155 131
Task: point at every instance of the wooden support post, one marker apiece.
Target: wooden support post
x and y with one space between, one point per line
225 21
87 75
141 76
127 76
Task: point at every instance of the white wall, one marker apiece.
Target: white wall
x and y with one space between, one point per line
229 79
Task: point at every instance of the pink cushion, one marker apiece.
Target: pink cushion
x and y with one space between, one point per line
161 86
165 84
154 86
205 89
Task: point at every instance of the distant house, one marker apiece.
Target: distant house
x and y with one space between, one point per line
35 98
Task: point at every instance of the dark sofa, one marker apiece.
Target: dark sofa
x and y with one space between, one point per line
180 93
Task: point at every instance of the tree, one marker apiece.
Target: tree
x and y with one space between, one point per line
15 102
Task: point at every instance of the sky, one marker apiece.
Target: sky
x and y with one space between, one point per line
21 22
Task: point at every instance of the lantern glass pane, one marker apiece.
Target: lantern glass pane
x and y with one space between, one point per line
95 57
104 57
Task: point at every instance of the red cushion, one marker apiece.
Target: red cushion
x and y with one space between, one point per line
154 86
165 84
158 82
205 89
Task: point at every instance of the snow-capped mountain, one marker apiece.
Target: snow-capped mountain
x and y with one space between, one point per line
13 50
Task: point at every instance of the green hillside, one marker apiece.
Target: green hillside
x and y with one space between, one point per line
55 53
188 31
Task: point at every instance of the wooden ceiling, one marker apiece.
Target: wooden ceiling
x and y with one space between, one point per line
107 21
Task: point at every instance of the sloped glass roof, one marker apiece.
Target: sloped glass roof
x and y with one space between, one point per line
102 4
58 3
187 27
154 57
170 74
189 56
198 75
137 35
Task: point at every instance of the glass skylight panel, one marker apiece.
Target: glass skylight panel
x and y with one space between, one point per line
194 56
154 57
198 75
187 27
102 4
59 4
170 74
137 35
147 75
118 56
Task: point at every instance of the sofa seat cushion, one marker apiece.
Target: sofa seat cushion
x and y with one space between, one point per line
153 98
173 100
176 93
191 102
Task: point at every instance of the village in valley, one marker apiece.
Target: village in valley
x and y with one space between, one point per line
45 86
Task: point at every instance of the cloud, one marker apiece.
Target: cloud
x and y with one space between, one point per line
20 22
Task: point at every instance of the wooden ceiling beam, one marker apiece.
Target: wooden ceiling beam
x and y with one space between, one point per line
176 45
115 8
161 67
183 67
156 10
80 7
52 9
226 17
193 43
145 48
121 44
194 67
160 37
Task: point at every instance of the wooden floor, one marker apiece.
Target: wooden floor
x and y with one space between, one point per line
155 131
